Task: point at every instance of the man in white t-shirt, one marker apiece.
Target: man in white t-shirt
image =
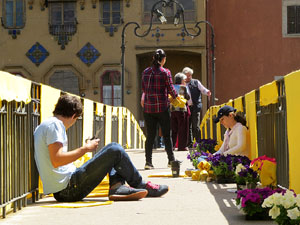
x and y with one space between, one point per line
68 183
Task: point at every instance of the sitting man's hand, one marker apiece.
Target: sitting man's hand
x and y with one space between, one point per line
91 145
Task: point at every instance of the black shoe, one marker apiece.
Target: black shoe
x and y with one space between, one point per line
125 193
154 190
148 166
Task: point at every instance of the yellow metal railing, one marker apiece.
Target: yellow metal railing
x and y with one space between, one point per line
23 105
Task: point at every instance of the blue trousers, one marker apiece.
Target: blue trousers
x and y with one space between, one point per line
111 159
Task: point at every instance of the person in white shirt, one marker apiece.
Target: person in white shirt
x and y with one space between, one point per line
195 89
236 136
67 183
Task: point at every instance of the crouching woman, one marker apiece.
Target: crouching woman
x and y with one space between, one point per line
236 137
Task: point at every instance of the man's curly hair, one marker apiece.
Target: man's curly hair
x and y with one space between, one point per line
67 106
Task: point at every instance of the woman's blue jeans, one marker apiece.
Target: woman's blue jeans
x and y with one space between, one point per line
111 159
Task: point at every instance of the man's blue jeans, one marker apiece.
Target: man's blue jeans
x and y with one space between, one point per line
111 159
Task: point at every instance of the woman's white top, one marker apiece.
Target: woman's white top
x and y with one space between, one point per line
236 141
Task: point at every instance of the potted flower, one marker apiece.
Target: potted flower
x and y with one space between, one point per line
250 201
193 157
284 207
248 175
224 166
240 180
204 146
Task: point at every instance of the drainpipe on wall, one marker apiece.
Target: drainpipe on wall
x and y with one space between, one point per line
207 52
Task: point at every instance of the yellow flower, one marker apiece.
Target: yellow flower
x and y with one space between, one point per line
217 147
203 165
196 175
203 175
188 173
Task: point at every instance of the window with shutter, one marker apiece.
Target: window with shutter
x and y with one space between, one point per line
62 18
291 18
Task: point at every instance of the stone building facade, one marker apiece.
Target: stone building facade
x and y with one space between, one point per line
76 45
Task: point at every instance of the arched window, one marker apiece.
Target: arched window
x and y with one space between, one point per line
111 88
65 80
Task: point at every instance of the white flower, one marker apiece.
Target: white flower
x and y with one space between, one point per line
277 198
268 202
274 199
239 167
293 213
298 200
288 200
274 212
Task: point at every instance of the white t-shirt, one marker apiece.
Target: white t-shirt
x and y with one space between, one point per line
236 141
48 132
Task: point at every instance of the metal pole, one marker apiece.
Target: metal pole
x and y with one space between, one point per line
123 67
213 69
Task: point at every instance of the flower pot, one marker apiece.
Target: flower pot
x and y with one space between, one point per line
240 187
175 166
250 185
224 180
258 216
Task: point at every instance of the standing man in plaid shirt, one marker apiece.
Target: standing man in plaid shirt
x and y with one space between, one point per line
156 85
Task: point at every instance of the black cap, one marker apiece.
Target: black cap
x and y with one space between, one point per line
224 111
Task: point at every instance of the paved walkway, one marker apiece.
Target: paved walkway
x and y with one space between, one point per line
188 202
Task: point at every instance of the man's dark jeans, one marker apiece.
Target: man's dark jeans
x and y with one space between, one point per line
194 124
111 159
152 120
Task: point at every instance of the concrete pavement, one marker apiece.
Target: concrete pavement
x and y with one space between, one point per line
188 202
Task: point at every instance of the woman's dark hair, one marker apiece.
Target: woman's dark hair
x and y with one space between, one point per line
67 106
240 118
158 56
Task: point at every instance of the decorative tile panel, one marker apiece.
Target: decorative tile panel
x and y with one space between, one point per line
88 54
158 34
14 33
37 54
182 34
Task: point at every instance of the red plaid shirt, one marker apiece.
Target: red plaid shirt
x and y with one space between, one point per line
156 84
